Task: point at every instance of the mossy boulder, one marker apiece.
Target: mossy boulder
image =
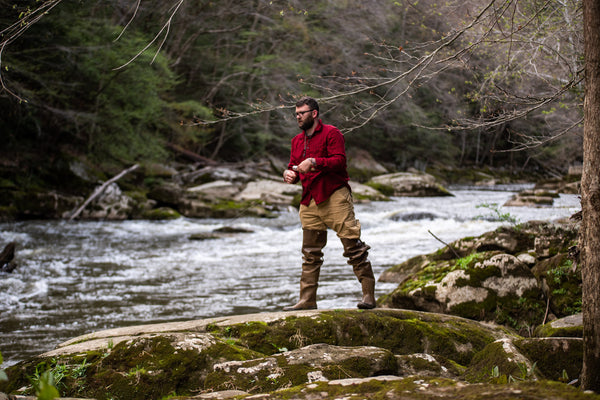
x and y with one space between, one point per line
556 358
518 276
498 361
160 214
362 166
528 358
287 355
292 348
409 184
41 204
570 326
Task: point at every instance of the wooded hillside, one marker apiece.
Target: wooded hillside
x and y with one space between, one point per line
416 83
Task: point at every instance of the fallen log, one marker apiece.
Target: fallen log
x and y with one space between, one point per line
101 189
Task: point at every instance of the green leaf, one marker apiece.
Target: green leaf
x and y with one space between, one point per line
45 389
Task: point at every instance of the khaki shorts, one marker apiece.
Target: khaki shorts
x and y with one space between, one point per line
336 213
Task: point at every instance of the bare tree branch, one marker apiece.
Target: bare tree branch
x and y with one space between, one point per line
14 31
165 28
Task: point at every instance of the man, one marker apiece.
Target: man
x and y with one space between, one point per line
318 160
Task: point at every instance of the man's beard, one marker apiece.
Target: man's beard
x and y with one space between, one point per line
307 124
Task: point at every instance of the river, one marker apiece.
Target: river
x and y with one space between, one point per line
78 277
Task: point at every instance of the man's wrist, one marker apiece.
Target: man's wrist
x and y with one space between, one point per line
313 162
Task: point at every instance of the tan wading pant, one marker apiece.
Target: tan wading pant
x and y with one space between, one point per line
336 213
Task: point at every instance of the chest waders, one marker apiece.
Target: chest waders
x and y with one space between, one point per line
357 253
312 259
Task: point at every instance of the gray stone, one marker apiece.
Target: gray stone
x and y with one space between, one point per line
269 191
217 189
412 184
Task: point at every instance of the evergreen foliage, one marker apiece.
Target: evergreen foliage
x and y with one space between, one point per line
88 96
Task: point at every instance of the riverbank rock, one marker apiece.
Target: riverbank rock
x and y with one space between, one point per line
532 198
327 353
411 184
111 204
569 184
247 189
362 166
519 276
41 205
362 193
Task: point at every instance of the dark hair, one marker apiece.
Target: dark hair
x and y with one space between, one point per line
309 101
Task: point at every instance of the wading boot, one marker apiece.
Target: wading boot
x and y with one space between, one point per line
312 259
357 253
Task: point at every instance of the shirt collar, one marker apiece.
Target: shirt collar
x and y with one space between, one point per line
318 128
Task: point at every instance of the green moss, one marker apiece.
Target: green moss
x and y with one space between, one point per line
145 368
372 389
548 331
401 332
386 190
423 364
274 372
162 213
476 310
469 261
432 272
234 209
564 284
258 336
520 313
554 358
414 263
429 388
490 364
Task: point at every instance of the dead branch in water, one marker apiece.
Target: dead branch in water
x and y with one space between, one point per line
101 189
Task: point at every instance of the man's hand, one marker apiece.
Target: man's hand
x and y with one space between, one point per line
305 166
289 176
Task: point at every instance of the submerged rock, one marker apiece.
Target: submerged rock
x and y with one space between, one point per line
532 198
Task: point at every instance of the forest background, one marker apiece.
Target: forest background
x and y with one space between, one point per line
424 84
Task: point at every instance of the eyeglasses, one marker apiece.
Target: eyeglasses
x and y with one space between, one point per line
301 113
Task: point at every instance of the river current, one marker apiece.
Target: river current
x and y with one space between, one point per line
79 277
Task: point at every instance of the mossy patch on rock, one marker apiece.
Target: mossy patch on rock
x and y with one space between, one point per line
499 361
559 359
314 362
418 387
147 367
160 214
402 332
570 326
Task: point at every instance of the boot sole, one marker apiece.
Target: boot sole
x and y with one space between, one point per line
299 308
366 306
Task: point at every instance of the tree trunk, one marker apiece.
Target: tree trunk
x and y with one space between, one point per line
590 199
